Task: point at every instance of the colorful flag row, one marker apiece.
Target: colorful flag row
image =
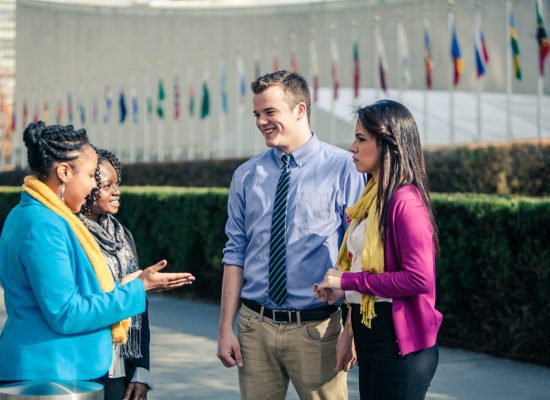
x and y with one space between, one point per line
481 58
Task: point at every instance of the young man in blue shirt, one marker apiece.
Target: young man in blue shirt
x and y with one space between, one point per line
285 224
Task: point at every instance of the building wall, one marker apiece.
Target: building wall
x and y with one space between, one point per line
63 49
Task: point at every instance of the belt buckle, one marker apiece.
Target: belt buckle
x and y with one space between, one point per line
279 314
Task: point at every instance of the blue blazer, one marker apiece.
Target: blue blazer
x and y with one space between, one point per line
58 318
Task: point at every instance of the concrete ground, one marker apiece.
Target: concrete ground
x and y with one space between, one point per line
184 363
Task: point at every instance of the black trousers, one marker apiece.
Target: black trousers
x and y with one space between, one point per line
383 373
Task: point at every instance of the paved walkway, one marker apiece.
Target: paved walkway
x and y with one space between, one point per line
184 363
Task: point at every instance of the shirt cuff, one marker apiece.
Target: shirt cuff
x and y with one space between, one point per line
142 375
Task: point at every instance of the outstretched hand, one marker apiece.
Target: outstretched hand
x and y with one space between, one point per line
155 281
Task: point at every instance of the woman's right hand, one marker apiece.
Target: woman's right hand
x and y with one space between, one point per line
155 281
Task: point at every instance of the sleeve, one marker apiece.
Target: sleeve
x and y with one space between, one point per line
235 228
50 264
144 361
142 375
412 237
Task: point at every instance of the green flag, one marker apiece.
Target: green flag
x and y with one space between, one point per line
149 108
160 104
205 104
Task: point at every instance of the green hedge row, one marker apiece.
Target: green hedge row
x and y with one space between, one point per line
508 169
493 274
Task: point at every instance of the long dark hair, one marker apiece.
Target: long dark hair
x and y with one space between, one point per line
401 158
102 155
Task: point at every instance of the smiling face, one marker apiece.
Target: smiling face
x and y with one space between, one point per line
108 201
366 155
276 121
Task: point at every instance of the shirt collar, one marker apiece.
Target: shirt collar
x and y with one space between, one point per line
301 155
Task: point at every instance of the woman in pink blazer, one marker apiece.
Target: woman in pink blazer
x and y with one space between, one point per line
386 265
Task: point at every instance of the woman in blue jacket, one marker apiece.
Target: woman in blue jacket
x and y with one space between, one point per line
64 310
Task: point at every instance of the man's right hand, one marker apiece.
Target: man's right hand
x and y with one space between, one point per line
229 349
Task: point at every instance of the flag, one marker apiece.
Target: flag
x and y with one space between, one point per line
82 112
382 61
404 56
149 104
35 115
135 104
58 112
25 114
456 55
356 68
121 107
293 60
95 108
13 119
428 58
177 97
335 67
160 99
191 100
205 102
314 70
276 62
542 38
223 89
70 109
257 67
108 104
515 46
241 79
481 53
46 113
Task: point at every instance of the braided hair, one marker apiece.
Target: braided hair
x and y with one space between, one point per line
49 144
102 155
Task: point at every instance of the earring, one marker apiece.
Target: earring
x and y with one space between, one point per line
63 192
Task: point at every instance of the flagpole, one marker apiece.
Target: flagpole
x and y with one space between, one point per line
191 109
478 83
451 90
222 119
356 63
400 68
120 129
174 151
425 103
161 115
239 68
376 58
509 134
107 115
540 87
335 78
314 77
206 124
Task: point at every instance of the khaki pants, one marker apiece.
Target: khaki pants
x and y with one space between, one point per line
304 353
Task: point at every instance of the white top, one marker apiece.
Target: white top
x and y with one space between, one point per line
355 243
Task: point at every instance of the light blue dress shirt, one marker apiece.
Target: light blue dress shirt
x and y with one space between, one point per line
323 182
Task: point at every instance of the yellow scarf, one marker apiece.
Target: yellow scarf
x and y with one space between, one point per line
372 258
47 197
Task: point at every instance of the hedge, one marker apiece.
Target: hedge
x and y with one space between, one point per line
493 273
505 169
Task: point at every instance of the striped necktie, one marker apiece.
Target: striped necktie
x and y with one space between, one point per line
277 245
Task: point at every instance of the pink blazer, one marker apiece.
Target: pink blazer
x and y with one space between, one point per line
409 277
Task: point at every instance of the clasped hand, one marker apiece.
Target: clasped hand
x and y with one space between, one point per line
330 289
